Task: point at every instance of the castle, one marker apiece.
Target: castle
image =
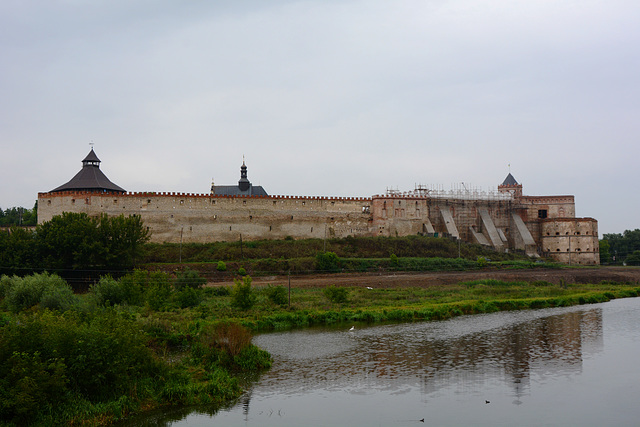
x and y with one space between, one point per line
505 220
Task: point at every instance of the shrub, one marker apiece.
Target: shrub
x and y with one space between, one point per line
327 261
189 278
5 284
242 271
28 291
107 291
59 298
219 291
277 294
336 294
221 266
242 295
188 297
394 260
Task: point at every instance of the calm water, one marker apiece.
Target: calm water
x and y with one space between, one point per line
558 367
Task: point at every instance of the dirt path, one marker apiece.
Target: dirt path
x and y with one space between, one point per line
426 279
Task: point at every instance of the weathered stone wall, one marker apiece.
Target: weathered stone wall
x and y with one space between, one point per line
172 217
175 217
571 240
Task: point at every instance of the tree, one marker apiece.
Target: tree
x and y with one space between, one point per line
634 258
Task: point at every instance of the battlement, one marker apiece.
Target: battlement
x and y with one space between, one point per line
81 194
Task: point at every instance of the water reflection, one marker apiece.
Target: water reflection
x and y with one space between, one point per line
466 351
524 363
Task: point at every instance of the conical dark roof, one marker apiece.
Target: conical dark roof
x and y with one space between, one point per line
90 178
510 180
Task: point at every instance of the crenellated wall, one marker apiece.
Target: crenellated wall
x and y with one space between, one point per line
533 224
206 218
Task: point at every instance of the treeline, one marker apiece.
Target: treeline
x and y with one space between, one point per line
74 245
19 216
621 249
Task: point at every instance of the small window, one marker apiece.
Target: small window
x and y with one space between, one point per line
115 201
542 213
148 200
275 202
73 201
48 202
244 202
182 202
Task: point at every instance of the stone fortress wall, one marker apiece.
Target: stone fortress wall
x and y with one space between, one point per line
535 225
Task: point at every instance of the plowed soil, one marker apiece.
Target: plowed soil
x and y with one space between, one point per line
427 279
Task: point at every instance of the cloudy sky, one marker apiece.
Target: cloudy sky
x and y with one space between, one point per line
326 97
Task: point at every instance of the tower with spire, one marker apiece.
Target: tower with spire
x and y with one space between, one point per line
511 186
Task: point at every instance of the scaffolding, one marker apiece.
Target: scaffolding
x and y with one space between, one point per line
458 191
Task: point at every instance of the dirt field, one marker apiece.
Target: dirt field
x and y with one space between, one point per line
426 279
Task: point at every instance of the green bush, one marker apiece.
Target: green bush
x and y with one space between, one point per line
5 284
188 297
327 261
221 266
189 278
242 271
48 359
107 291
242 295
26 292
277 294
336 294
59 298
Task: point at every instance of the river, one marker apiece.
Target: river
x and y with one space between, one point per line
575 366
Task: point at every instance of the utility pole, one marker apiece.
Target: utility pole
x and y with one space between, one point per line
181 229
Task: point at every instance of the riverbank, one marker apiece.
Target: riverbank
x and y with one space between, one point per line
182 333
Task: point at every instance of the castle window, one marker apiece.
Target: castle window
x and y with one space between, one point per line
577 233
190 228
275 202
148 200
215 217
291 216
73 201
303 203
333 203
229 228
182 202
48 202
542 213
244 202
115 201
250 217
557 233
87 201
558 250
270 226
567 233
567 249
312 229
366 209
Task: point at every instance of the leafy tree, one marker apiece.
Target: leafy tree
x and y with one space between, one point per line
634 258
242 295
623 245
605 254
327 261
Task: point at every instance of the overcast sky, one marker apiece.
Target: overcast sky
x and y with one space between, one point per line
334 98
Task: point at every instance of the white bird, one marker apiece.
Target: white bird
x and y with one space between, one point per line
352 328
369 287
